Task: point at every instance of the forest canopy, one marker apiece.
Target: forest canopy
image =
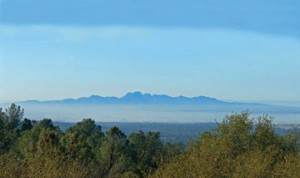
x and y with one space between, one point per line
238 147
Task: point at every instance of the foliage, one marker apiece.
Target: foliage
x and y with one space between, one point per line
238 147
40 149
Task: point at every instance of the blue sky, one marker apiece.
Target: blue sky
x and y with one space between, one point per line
238 50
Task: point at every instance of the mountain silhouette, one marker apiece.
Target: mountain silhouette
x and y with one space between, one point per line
207 104
136 98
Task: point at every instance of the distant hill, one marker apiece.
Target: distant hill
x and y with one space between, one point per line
162 105
136 98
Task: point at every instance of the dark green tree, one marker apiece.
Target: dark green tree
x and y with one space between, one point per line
9 123
114 153
2 131
13 116
82 140
26 124
28 142
146 150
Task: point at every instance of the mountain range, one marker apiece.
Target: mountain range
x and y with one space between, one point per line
137 106
136 98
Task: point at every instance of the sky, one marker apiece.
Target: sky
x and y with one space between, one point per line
238 50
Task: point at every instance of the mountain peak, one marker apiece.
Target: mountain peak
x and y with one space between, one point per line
95 96
136 93
138 97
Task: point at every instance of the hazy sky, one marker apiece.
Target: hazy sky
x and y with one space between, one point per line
235 50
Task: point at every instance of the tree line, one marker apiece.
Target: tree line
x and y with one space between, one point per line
39 149
238 147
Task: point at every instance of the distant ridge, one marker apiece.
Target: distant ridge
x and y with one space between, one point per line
181 103
137 98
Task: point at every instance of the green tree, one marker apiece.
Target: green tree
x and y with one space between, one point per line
9 123
29 139
114 153
83 140
2 132
13 116
238 147
26 124
146 150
